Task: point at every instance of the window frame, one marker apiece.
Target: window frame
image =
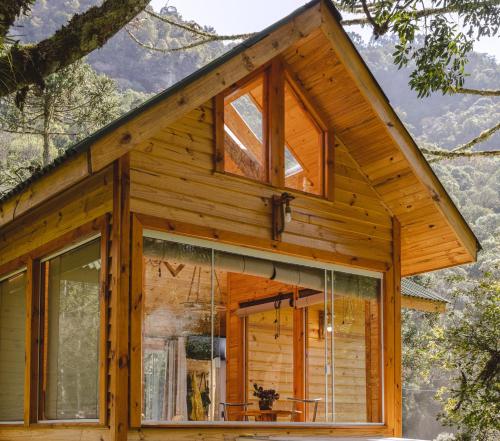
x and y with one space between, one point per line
219 124
31 261
151 229
43 332
276 75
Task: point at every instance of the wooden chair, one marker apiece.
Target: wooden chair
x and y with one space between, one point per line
226 406
305 401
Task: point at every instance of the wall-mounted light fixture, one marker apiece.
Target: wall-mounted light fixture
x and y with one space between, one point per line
282 213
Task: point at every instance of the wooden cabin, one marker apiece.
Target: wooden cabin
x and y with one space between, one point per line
249 225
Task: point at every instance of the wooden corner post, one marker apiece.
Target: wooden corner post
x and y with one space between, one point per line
136 301
32 342
398 388
119 302
392 337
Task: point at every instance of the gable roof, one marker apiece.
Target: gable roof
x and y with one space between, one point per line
378 141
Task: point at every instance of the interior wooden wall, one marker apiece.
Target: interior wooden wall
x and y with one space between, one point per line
269 361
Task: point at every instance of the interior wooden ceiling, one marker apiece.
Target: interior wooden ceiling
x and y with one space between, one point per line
428 240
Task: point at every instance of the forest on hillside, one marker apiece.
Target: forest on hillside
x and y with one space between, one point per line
123 74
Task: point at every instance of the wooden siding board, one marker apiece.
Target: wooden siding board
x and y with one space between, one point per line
86 201
70 173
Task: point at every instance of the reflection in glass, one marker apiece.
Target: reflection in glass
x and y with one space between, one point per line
12 334
216 323
71 356
244 145
176 332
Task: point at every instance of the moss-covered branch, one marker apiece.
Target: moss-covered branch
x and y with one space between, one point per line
483 136
481 92
9 11
24 65
439 155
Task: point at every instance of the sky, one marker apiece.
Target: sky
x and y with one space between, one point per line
242 16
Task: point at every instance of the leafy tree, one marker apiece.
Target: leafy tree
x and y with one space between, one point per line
71 104
18 160
468 346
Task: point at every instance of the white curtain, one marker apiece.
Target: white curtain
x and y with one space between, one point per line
175 392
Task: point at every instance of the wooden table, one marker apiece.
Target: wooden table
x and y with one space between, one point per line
270 415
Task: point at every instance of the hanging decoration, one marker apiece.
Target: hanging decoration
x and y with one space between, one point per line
277 320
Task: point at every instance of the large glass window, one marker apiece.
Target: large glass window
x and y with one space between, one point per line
12 346
218 325
71 322
344 341
244 140
177 327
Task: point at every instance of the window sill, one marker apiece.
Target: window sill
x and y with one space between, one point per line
69 423
264 424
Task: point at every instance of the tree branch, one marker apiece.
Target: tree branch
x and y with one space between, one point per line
9 11
440 155
197 30
485 92
422 13
25 65
483 136
206 37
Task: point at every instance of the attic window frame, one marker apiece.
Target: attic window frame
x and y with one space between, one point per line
275 75
220 131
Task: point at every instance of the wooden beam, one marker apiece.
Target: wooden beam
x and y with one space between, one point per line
299 361
329 155
63 177
119 320
389 353
136 317
244 133
140 128
224 236
247 165
276 122
360 74
219 133
398 390
104 320
31 339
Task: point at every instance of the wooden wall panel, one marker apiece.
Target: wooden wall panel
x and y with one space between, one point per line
337 83
172 178
81 204
51 433
63 177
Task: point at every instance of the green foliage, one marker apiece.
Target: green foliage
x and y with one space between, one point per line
468 346
439 60
71 104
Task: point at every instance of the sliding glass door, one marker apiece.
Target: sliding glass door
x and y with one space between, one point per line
217 325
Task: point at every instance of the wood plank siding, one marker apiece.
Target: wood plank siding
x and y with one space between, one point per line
172 177
67 211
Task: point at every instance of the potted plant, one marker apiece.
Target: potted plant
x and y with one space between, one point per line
266 396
